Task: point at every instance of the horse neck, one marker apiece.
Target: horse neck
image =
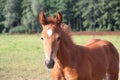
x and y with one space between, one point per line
65 50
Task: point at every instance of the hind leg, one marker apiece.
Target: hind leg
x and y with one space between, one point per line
114 76
114 70
110 76
114 73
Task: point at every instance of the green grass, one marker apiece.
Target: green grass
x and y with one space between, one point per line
22 56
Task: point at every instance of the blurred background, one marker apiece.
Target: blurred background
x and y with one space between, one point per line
21 50
21 16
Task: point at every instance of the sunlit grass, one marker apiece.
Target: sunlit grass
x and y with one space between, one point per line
22 56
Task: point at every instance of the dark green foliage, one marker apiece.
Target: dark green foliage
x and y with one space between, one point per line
100 15
80 15
31 9
2 5
12 13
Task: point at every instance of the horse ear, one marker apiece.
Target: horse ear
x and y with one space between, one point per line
42 18
59 18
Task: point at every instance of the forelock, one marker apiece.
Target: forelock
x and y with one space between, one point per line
51 19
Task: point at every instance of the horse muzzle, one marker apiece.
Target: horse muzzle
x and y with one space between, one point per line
49 63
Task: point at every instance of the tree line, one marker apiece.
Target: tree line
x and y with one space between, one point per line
21 16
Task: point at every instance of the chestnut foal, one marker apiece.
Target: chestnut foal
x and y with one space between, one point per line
97 60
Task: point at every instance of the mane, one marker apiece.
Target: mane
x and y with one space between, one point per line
66 29
66 34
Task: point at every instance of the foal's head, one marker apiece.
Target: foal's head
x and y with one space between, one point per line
51 36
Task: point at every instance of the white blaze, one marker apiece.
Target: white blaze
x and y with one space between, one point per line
49 32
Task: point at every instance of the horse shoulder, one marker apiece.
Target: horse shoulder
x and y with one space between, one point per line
80 66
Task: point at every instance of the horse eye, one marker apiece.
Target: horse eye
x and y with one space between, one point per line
42 38
58 39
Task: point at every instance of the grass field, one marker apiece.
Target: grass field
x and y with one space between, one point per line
22 56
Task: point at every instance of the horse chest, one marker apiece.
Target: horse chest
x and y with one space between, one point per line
68 77
70 74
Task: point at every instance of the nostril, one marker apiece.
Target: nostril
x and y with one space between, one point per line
52 63
49 63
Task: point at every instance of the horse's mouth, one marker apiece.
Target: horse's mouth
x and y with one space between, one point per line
49 64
